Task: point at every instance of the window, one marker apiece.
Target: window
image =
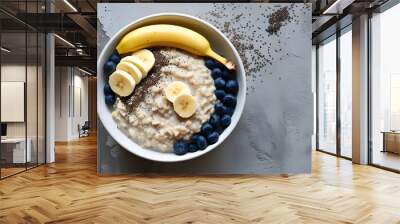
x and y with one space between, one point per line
385 89
327 95
334 106
394 101
346 92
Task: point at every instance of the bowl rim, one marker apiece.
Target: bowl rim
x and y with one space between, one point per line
176 158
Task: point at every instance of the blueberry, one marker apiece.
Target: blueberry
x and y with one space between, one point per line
109 67
108 90
219 129
216 73
220 94
213 137
225 120
220 108
210 64
115 58
214 120
219 65
181 147
195 137
206 129
219 83
192 147
229 111
229 100
226 74
201 142
110 99
232 86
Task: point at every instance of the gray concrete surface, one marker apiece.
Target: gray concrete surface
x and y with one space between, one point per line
274 133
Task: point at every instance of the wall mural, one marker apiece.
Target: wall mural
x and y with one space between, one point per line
188 103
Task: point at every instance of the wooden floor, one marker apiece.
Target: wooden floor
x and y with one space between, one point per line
386 159
5 172
70 191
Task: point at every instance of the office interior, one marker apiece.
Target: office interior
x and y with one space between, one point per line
334 93
28 45
26 65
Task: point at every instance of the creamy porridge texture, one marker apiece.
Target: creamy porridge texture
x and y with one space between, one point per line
152 122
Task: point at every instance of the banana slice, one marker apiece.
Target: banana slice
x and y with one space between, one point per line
147 57
136 61
185 105
122 83
176 89
131 69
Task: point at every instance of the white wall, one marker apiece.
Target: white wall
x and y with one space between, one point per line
61 103
71 102
16 72
80 105
33 126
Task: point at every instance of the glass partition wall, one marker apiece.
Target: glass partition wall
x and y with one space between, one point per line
22 77
327 95
385 89
334 93
346 95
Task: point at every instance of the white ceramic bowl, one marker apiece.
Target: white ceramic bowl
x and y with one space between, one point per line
219 43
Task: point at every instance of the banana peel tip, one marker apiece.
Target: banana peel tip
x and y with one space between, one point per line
230 65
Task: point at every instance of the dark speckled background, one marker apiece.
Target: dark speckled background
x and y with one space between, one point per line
274 133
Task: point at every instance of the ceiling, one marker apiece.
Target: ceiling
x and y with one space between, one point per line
75 21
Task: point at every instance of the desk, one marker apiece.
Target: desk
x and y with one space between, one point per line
391 141
13 150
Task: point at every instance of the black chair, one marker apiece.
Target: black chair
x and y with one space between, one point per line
84 130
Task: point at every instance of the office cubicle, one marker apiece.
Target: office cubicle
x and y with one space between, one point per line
22 89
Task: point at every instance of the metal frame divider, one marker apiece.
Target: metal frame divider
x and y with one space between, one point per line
338 82
26 86
317 97
369 79
37 89
0 91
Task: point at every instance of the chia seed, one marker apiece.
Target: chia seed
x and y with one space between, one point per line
257 36
277 19
132 101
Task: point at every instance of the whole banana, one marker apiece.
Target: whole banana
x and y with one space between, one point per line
170 36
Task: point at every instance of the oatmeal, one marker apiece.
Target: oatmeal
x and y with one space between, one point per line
148 117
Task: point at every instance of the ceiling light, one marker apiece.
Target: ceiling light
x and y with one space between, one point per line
70 5
84 71
5 50
328 10
337 7
65 41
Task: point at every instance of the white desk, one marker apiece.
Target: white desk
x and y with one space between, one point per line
19 149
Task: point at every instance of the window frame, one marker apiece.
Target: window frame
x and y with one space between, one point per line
338 34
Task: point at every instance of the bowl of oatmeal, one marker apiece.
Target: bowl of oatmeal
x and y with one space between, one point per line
183 107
